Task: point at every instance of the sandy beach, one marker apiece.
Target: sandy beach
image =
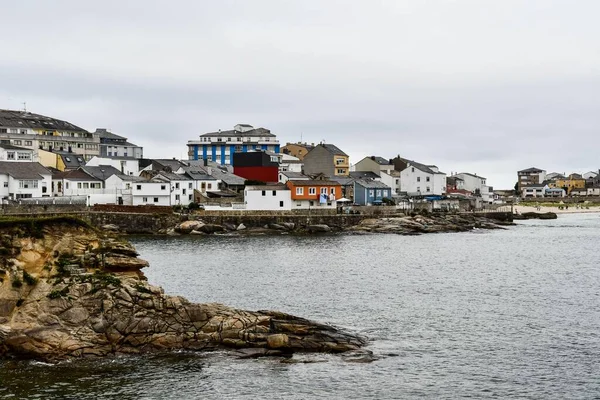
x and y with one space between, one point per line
572 209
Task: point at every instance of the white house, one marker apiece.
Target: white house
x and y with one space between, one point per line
125 165
179 188
24 180
8 152
534 190
477 185
418 179
590 174
289 163
267 197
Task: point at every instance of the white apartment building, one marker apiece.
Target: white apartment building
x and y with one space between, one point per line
126 165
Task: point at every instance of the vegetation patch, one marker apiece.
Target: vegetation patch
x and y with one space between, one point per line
17 282
56 294
29 279
142 289
34 226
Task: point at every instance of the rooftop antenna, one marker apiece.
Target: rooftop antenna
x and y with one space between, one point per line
24 106
300 137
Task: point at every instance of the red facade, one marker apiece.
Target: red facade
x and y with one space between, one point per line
263 174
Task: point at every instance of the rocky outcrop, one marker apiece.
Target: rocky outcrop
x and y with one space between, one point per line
69 292
535 215
418 224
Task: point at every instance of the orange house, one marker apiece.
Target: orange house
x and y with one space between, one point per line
314 193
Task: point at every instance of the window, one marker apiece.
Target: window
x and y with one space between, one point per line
190 185
281 204
209 185
138 187
339 161
190 197
418 179
145 199
371 193
177 186
324 190
418 188
10 155
298 204
86 185
428 189
28 184
78 185
299 191
183 191
264 192
312 190
163 187
176 197
341 171
203 185
274 193
28 143
17 142
24 156
156 199
397 181
378 193
412 169
5 184
332 190
427 179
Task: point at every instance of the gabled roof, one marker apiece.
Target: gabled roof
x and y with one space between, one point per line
532 169
25 119
74 175
364 175
419 166
312 182
470 174
294 175
261 132
71 160
223 173
101 172
333 149
23 170
11 147
171 176
277 186
104 134
379 160
369 184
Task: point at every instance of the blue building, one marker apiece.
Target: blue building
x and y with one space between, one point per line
220 146
370 192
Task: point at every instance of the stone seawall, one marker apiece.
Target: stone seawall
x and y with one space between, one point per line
140 223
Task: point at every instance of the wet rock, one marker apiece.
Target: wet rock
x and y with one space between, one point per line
241 227
290 226
211 228
276 227
110 227
319 228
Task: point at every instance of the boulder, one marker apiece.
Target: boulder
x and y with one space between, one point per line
197 233
277 227
241 227
188 226
319 228
110 227
211 228
289 225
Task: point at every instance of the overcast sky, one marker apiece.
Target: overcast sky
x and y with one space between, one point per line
487 87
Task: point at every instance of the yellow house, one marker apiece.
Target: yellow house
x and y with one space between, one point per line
60 160
574 181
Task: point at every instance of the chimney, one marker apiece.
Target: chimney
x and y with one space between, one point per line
205 162
209 170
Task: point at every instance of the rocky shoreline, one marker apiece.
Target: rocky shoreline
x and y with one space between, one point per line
402 225
68 291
